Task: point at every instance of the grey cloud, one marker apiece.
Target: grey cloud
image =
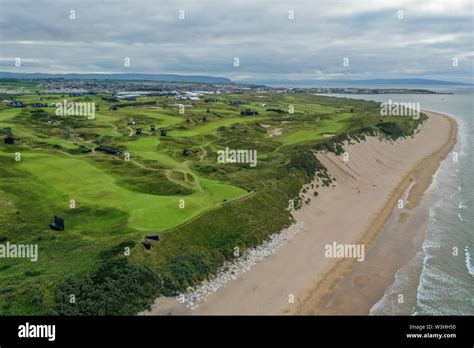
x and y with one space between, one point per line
258 32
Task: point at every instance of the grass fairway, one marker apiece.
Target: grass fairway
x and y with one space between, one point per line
334 125
170 184
79 180
211 128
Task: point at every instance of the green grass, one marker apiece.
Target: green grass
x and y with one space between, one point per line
316 131
211 127
118 201
80 180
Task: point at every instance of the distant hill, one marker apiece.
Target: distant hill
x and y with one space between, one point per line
395 82
127 77
414 82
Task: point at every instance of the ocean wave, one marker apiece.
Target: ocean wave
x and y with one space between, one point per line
441 293
463 136
444 287
469 265
406 278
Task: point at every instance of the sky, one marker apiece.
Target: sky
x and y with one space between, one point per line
242 40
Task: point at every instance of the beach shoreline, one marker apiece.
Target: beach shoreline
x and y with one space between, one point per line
332 295
298 278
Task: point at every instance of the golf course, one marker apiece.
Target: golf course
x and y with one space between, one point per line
161 177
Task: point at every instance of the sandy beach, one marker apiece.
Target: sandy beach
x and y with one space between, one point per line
361 208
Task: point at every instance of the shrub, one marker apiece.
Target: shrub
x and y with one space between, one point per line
116 288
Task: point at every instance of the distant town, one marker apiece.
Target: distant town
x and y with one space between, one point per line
130 90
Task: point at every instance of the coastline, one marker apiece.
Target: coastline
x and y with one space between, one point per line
377 175
353 289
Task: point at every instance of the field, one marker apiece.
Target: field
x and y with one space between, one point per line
202 209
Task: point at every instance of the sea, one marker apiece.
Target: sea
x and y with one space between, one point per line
441 274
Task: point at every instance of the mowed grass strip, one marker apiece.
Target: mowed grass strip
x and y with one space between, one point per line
316 131
80 180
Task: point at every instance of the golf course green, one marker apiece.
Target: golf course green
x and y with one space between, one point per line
165 180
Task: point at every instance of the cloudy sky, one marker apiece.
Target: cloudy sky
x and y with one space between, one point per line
276 39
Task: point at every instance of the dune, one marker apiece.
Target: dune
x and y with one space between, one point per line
299 278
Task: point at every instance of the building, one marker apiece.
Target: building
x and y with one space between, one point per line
249 112
109 150
153 236
9 139
17 104
128 96
57 223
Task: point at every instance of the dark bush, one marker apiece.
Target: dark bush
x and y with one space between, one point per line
116 288
391 129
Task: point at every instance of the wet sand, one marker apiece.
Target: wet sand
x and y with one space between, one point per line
298 278
353 288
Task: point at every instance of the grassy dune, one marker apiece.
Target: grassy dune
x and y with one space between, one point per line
118 201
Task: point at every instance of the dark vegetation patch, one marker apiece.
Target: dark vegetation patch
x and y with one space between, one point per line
116 288
391 129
